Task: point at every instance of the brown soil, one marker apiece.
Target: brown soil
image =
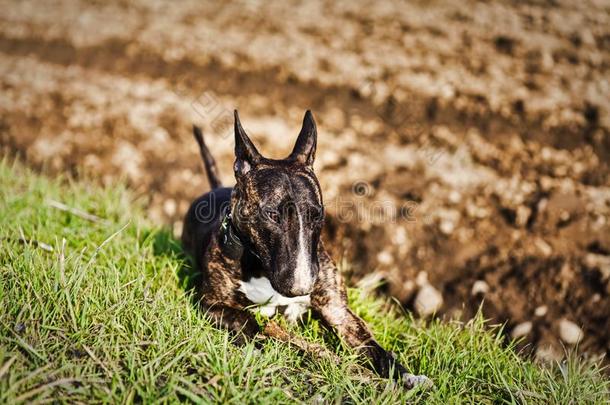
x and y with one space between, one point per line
458 143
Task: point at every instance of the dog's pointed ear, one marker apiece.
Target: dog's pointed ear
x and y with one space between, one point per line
246 155
305 147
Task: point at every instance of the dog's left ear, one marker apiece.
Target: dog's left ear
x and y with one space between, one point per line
305 148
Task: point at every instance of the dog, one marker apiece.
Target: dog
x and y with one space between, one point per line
258 243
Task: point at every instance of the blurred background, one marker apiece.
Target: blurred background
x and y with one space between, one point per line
463 148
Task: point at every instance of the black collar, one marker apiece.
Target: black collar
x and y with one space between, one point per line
232 245
229 241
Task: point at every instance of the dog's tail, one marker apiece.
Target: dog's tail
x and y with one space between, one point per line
208 159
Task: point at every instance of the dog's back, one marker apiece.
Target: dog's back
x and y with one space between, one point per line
205 213
203 219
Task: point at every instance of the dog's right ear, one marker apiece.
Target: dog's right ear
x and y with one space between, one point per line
305 148
246 155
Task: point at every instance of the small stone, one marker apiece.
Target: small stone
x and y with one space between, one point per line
385 257
408 288
523 215
569 332
421 279
447 227
428 301
541 310
601 262
447 92
169 207
544 247
455 197
480 287
400 236
521 330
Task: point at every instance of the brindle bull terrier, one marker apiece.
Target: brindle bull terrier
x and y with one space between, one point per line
259 243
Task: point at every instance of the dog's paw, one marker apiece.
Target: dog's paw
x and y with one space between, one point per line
411 381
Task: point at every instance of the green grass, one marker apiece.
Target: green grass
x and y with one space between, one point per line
107 317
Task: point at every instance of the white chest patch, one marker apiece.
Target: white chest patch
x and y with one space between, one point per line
260 291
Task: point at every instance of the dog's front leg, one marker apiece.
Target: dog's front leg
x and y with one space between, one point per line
218 296
329 299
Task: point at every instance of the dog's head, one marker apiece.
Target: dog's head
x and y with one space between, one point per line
277 206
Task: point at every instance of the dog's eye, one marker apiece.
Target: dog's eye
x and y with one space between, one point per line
273 215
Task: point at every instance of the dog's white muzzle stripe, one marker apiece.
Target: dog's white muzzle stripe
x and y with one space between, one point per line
302 272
